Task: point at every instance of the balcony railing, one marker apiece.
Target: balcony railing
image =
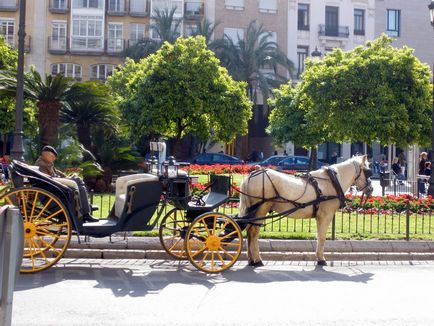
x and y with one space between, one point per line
359 32
59 7
10 6
194 10
135 11
83 46
116 9
334 31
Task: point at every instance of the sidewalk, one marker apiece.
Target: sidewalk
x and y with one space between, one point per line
271 249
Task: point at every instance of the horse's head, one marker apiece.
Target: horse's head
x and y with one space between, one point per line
362 180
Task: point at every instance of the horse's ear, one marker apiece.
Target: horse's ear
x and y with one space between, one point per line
364 158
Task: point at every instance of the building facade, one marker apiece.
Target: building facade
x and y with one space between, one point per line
86 39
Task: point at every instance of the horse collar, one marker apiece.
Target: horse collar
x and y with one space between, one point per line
335 182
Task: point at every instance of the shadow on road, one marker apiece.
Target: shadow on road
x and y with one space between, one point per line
137 281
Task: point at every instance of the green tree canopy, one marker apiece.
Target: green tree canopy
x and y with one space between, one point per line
182 89
371 93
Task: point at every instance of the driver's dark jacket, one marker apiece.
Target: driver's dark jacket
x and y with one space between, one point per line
48 168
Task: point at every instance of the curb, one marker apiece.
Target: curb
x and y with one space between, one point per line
271 249
267 256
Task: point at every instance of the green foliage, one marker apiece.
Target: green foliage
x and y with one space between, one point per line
288 120
372 93
181 89
8 56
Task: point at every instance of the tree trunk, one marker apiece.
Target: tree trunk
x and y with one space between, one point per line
83 135
313 158
48 121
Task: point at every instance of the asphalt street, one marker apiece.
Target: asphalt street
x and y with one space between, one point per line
162 292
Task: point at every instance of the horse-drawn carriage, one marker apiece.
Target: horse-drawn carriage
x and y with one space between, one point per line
192 228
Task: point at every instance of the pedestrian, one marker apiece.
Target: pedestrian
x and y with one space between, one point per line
402 162
285 153
275 153
334 158
428 168
423 157
396 170
4 162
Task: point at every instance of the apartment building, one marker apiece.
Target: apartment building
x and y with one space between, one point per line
408 22
86 39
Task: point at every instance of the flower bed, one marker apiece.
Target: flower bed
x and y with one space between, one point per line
196 169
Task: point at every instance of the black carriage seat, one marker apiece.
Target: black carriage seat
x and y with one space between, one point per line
122 185
217 196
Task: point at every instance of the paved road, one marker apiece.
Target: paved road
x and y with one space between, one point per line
140 292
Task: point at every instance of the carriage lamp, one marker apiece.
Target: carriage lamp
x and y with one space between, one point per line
154 165
172 168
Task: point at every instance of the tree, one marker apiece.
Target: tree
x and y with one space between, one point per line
88 113
246 58
165 26
372 93
50 95
287 121
181 89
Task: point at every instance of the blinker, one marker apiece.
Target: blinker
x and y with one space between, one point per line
368 173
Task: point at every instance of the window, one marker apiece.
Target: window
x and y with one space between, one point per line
190 29
116 5
87 32
95 4
138 6
67 69
234 34
359 22
302 53
194 8
58 36
332 21
268 6
303 17
7 28
59 4
234 4
101 72
115 43
137 33
393 22
168 4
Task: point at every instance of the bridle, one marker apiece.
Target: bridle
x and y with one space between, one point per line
367 189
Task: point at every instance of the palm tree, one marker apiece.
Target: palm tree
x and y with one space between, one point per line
206 28
247 58
87 113
50 95
167 29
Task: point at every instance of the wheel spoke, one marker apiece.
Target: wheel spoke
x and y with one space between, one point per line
226 252
214 225
43 209
24 206
228 235
223 227
54 214
212 259
206 227
9 201
198 252
204 257
47 233
49 245
177 241
221 259
34 206
42 252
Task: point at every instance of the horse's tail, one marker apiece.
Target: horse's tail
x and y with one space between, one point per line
244 199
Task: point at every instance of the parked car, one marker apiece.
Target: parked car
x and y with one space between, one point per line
298 163
272 160
215 158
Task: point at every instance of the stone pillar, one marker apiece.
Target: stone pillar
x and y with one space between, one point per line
346 151
289 148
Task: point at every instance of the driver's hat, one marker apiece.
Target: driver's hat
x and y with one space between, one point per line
49 149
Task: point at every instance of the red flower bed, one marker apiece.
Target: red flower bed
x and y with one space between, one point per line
196 169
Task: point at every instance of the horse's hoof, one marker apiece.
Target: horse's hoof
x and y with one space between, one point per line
321 263
259 263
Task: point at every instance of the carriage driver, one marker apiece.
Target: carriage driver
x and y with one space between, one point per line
46 165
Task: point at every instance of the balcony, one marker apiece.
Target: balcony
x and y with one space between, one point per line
9 5
58 45
116 9
194 10
59 6
334 31
136 9
83 46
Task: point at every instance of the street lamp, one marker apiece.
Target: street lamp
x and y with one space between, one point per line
17 151
431 178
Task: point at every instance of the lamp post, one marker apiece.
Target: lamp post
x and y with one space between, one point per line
431 178
17 151
316 56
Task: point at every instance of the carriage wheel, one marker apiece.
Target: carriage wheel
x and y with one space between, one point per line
47 227
172 232
215 242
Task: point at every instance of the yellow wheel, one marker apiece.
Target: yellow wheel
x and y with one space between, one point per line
172 232
47 227
215 242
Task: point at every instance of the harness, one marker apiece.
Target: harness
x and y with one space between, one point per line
277 198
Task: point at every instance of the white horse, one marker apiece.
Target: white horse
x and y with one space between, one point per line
268 190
